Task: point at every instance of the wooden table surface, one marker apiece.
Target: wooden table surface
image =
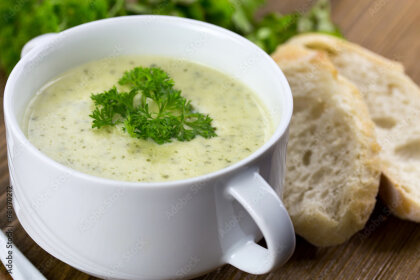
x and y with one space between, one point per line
387 248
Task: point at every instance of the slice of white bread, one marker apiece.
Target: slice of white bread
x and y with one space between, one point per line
332 174
393 101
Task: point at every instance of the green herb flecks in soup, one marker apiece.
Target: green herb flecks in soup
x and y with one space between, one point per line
59 121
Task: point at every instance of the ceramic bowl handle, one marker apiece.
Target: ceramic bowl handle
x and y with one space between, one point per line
39 40
270 215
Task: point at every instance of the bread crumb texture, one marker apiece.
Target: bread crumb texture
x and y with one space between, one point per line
393 100
332 167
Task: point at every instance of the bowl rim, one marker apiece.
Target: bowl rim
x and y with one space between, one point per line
14 128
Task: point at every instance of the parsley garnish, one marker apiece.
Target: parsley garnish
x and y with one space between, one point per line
152 108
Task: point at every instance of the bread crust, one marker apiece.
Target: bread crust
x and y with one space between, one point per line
334 45
393 190
312 222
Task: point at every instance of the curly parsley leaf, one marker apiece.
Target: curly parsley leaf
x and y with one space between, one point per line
160 114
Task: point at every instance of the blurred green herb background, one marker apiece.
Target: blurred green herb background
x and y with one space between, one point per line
22 20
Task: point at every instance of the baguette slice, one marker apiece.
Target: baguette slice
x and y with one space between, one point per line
393 100
332 174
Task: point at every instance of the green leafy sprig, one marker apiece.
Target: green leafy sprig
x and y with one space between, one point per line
275 29
23 20
152 108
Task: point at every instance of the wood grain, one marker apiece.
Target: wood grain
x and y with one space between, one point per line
387 248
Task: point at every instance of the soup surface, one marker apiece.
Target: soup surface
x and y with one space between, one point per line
57 122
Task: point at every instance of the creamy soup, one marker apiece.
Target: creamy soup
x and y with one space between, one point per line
57 122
